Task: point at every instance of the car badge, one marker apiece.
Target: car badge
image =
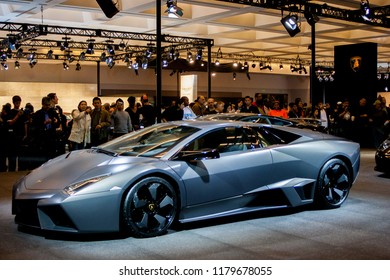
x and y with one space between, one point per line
356 62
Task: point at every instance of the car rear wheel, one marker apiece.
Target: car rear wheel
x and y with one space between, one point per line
333 184
150 207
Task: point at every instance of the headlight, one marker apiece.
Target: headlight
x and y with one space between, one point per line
385 145
72 189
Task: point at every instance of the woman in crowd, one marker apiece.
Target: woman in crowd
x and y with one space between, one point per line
80 136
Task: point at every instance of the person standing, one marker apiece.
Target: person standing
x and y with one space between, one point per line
248 107
100 123
147 112
16 133
188 114
210 107
45 132
277 111
133 112
80 136
199 106
120 120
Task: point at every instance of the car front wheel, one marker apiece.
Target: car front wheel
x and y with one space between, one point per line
333 184
150 207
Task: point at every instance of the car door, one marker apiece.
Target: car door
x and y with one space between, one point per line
219 184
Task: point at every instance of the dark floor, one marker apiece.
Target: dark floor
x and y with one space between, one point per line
358 230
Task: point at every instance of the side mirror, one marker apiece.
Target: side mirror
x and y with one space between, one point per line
198 155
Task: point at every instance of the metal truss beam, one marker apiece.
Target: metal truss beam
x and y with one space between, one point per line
380 17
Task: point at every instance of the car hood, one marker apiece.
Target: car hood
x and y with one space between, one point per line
77 166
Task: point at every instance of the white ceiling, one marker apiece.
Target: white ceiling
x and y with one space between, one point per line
235 28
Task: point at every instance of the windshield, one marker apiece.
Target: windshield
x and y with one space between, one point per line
154 141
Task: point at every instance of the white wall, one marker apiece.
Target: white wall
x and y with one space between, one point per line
72 86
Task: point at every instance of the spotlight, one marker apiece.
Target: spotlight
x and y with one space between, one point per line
365 10
65 65
78 67
246 66
311 18
145 63
234 76
4 66
379 76
64 45
164 62
135 65
122 45
12 42
17 65
235 64
199 54
110 47
49 54
3 56
386 76
82 56
110 62
9 53
33 62
253 65
173 10
90 46
281 66
217 62
19 53
103 57
189 57
290 22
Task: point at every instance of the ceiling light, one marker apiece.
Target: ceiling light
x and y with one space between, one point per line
78 66
65 44
110 62
90 46
4 66
199 54
311 18
49 54
122 45
173 10
365 10
110 47
145 63
217 62
82 56
103 57
3 56
290 22
281 66
234 76
19 53
235 64
65 65
17 65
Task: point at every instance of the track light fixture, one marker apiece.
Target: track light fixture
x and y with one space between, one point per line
173 10
49 54
110 62
311 18
365 10
217 62
4 66
199 54
290 22
65 65
82 56
65 44
110 47
90 46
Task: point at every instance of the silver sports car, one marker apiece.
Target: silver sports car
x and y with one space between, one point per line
185 171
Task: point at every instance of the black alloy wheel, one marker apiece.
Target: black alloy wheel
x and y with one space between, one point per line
150 207
333 184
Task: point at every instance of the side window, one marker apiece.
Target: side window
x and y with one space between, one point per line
225 140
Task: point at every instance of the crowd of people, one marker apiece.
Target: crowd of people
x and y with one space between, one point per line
30 138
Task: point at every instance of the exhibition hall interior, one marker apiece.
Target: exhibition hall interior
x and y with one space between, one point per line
310 78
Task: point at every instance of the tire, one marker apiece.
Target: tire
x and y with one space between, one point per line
333 184
150 207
